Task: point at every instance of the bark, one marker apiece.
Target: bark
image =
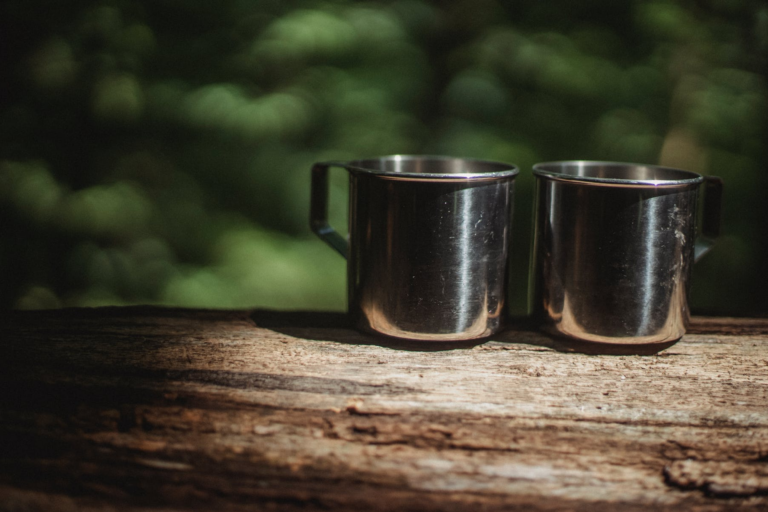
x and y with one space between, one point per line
153 409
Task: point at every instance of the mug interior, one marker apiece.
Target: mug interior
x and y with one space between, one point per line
615 172
433 166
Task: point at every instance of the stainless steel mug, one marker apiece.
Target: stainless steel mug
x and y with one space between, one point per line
613 248
428 244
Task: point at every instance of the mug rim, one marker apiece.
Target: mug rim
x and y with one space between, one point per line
505 170
540 169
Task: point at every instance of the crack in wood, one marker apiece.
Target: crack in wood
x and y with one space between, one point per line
722 479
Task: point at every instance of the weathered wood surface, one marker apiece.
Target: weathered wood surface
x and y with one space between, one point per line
162 409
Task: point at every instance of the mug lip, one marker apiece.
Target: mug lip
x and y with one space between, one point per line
540 169
505 170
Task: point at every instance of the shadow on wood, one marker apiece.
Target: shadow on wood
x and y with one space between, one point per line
336 327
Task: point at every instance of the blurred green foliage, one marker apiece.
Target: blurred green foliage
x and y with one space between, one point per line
159 151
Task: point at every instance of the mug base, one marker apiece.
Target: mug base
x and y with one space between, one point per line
393 332
651 339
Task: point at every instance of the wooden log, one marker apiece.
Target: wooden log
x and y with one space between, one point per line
153 409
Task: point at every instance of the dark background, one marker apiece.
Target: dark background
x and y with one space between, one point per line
159 151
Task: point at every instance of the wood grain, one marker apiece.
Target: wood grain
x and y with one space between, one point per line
153 409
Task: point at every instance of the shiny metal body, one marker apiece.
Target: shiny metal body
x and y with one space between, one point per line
613 249
428 244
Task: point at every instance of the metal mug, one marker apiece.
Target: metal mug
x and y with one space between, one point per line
428 244
613 248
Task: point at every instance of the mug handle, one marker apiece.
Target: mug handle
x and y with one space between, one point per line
710 218
318 210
